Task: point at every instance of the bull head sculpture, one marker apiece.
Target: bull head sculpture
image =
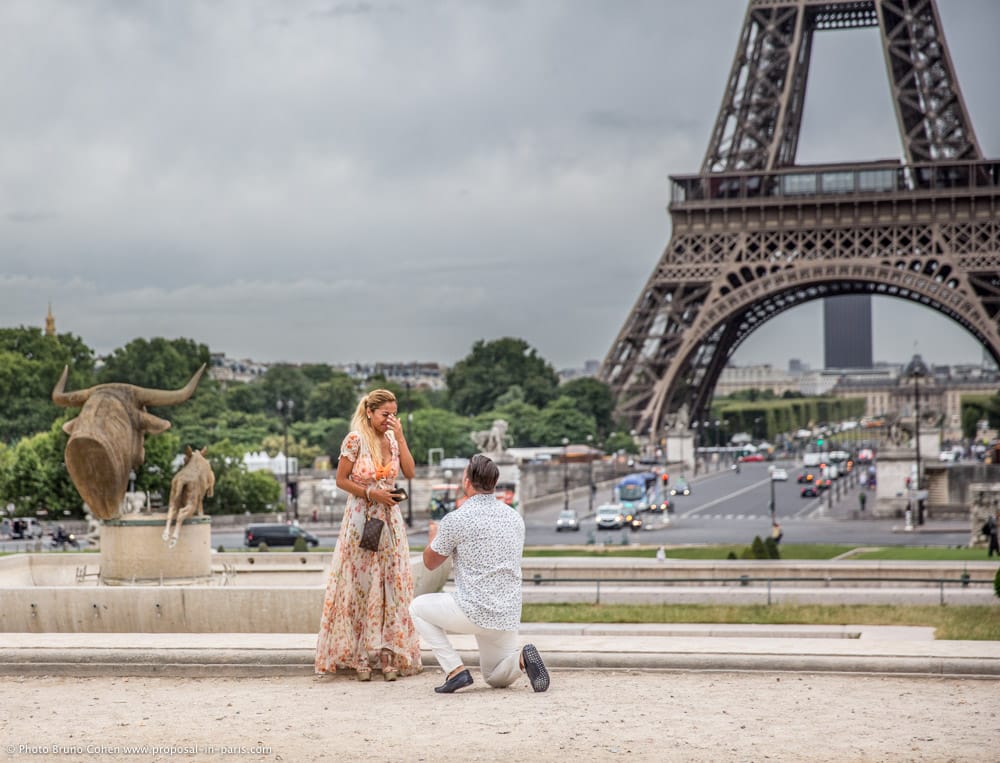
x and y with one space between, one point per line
106 440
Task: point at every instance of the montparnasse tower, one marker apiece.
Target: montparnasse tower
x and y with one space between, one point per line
50 323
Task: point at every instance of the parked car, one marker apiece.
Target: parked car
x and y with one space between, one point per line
567 521
681 487
610 517
779 475
277 535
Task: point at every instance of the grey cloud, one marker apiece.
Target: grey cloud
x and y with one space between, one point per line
260 178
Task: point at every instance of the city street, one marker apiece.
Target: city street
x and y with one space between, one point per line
724 507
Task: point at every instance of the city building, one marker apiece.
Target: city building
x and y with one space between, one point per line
847 331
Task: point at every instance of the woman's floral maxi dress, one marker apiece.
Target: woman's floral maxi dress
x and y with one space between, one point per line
368 595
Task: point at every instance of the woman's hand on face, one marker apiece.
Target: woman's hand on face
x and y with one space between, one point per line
396 426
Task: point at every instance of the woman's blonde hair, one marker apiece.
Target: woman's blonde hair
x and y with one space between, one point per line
363 425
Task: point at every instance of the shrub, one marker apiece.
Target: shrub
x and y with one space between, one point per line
996 583
771 548
262 546
300 544
757 549
221 549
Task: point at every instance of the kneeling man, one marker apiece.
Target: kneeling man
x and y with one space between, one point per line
486 538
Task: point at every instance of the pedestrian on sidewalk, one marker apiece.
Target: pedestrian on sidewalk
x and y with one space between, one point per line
776 532
485 537
990 529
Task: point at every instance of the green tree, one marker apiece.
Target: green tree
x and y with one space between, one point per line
35 476
521 418
594 397
239 490
477 381
155 363
157 470
620 441
335 398
325 434
317 373
30 366
435 428
248 398
286 382
562 418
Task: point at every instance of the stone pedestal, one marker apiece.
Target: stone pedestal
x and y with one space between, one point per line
133 552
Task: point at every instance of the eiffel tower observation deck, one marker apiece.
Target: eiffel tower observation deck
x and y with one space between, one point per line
755 234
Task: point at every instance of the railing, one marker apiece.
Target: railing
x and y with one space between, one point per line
798 182
745 580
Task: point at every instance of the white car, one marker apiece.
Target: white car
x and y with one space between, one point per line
779 475
610 517
567 521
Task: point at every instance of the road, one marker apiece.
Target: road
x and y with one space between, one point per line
724 507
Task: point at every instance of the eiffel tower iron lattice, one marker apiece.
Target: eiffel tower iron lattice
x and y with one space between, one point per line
754 234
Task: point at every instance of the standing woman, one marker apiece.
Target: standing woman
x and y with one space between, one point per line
366 621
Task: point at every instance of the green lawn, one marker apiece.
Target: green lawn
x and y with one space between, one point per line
974 623
803 551
904 553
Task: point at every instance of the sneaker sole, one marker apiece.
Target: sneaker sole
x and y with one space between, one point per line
538 676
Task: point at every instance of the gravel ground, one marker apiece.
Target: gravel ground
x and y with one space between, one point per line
585 716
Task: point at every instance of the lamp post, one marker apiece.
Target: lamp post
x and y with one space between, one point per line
285 411
590 474
916 370
565 442
770 472
409 481
447 491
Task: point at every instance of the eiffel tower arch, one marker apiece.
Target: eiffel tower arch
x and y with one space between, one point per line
754 234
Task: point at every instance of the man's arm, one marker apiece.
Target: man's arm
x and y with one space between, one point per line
432 559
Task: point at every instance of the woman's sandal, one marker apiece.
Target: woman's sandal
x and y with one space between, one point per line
364 674
389 671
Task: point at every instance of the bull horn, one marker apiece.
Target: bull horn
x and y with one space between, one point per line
69 399
155 397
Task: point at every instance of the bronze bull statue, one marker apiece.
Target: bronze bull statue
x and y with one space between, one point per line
189 487
106 440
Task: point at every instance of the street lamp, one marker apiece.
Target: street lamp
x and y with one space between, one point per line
590 473
409 481
285 408
770 471
916 370
447 491
565 442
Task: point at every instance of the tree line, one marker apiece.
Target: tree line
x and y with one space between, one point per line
505 378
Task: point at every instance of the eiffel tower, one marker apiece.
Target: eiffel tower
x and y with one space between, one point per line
754 234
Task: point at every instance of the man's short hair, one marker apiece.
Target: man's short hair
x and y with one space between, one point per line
482 473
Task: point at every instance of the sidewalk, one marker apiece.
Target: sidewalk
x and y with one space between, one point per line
814 649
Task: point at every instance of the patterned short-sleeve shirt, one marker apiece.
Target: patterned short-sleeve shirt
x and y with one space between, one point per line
485 537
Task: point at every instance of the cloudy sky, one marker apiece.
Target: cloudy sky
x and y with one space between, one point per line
316 180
